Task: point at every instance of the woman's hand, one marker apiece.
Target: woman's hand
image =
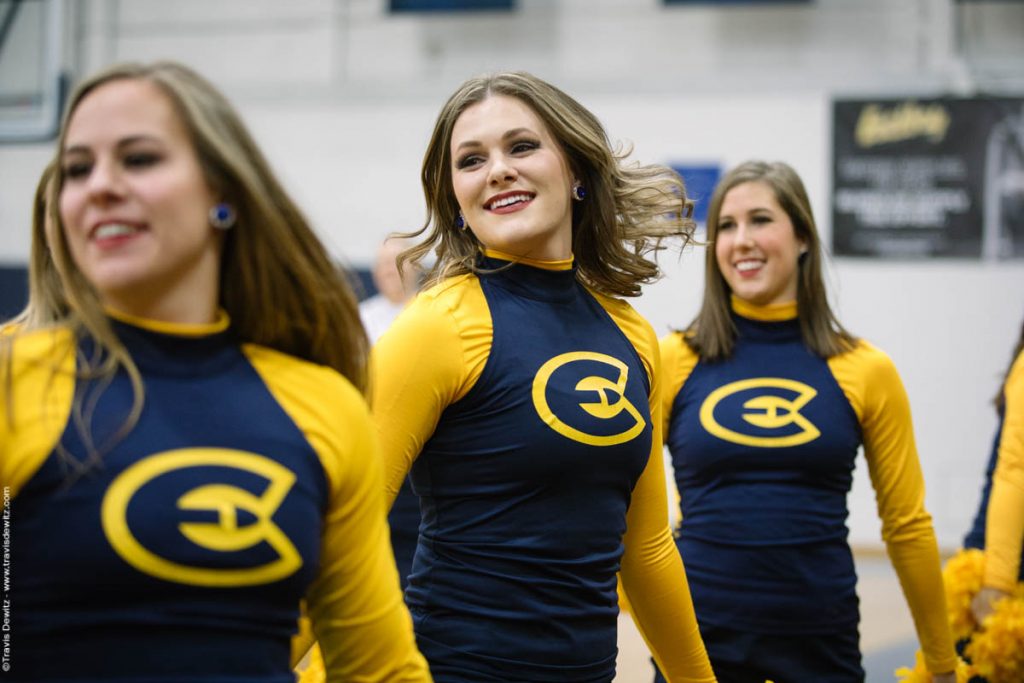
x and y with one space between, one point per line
983 603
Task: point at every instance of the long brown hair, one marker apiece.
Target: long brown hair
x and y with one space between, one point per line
712 334
628 210
278 284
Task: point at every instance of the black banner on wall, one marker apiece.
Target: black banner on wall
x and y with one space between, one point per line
928 177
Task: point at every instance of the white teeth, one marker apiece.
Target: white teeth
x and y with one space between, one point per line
506 201
114 230
744 266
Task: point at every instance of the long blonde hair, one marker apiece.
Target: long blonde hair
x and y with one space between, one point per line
278 284
628 210
712 334
46 302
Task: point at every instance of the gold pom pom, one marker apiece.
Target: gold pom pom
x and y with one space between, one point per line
996 648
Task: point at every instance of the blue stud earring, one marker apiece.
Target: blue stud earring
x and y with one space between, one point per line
460 222
222 216
578 191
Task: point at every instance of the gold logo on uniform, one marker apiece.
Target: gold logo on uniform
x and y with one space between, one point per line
225 501
611 399
767 411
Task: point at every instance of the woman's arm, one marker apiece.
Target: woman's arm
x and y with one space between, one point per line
428 359
1004 522
876 393
652 572
355 603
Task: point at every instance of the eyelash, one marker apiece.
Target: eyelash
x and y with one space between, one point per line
518 147
134 160
726 225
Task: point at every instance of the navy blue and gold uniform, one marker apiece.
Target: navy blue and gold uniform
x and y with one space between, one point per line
1000 515
181 550
763 445
527 408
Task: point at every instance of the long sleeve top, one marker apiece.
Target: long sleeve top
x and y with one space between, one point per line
999 525
181 549
526 407
764 445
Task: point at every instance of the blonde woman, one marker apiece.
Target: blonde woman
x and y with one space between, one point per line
185 444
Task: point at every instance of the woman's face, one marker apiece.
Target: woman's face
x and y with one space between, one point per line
134 205
756 246
511 180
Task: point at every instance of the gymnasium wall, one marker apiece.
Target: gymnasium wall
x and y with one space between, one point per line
342 97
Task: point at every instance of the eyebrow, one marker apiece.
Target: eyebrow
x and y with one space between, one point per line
123 142
508 134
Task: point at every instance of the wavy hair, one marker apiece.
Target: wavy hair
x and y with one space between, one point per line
629 208
712 334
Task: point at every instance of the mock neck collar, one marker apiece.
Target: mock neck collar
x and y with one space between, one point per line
768 313
221 324
553 281
560 264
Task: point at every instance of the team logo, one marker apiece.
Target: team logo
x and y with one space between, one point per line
767 410
602 379
239 520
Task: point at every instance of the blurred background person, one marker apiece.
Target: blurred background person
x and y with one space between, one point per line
395 288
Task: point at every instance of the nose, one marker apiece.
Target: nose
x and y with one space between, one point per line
104 182
744 235
502 171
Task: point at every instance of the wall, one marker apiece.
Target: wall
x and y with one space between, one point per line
342 97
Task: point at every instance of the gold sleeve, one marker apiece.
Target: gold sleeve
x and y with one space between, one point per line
873 387
1004 523
652 572
677 362
428 359
354 603
37 384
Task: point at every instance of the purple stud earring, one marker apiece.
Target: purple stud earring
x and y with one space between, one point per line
460 222
222 216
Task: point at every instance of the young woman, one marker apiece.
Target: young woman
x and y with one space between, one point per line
184 442
767 400
523 395
998 530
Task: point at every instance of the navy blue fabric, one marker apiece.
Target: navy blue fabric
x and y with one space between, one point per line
831 658
514 577
404 523
83 611
763 529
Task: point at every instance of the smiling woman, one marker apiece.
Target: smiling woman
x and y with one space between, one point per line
767 400
184 436
530 421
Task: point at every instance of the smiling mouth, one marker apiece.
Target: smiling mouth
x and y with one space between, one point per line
508 200
112 230
748 266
